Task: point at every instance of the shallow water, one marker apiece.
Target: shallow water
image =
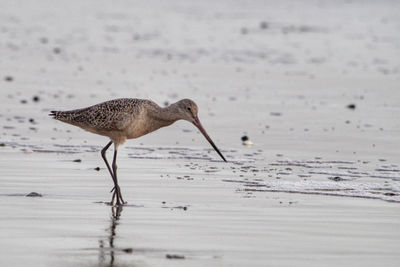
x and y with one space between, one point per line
314 85
176 211
252 172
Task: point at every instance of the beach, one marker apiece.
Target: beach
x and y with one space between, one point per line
313 85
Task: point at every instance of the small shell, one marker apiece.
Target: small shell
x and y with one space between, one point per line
248 143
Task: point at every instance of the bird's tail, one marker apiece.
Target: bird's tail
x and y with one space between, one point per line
70 116
59 115
54 114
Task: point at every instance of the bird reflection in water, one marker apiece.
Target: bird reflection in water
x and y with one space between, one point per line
115 215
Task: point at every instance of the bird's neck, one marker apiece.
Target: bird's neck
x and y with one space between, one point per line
165 116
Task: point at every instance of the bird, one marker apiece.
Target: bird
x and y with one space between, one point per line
129 118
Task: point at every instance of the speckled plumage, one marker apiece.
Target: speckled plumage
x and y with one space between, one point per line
109 115
128 118
119 119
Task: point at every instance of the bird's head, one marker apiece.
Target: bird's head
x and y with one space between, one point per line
188 111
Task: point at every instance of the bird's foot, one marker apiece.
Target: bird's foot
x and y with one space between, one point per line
117 195
111 203
120 196
120 201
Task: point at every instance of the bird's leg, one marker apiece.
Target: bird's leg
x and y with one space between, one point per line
103 155
117 190
112 199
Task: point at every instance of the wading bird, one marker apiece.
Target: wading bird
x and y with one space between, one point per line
129 118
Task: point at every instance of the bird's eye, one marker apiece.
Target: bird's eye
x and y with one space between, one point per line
189 109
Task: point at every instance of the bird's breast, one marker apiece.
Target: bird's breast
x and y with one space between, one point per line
142 125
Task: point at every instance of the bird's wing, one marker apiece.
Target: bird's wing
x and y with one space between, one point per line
117 121
114 115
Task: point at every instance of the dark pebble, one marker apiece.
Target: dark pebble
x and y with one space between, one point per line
264 25
34 194
2 144
174 256
128 250
44 40
8 78
351 106
77 160
31 120
336 179
97 169
35 98
390 194
56 50
23 101
245 138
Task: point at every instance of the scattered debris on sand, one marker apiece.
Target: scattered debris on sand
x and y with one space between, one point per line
351 106
174 257
246 141
34 194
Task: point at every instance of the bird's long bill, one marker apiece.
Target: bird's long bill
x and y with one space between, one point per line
198 125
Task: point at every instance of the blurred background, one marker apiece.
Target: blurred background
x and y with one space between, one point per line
314 85
282 72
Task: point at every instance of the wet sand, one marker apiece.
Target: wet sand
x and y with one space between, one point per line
206 220
314 87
